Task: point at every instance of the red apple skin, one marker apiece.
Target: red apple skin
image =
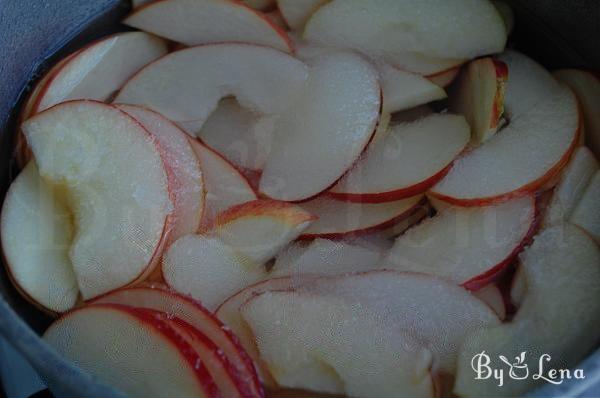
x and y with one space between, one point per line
527 189
446 77
501 78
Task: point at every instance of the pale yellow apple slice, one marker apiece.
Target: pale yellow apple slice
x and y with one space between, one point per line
562 273
587 213
260 229
187 85
132 351
116 184
297 12
194 22
36 230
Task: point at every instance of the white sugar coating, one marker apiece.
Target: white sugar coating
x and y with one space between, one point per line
326 130
587 213
194 22
562 273
37 231
116 185
338 217
463 243
571 187
225 186
207 269
314 342
187 85
408 154
242 136
99 70
522 153
399 29
183 169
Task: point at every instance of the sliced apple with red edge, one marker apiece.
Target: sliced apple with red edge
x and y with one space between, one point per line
260 229
36 233
406 162
479 96
324 126
468 246
195 22
193 313
111 341
87 147
225 185
336 218
587 213
184 174
297 12
561 269
187 85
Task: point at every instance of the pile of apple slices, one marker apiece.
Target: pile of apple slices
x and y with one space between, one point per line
300 194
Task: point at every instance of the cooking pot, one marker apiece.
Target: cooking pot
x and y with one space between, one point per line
34 33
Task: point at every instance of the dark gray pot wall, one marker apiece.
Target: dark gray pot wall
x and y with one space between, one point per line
558 33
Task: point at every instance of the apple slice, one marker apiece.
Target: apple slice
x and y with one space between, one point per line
586 86
135 352
445 77
207 269
194 22
36 232
562 271
571 186
258 230
336 218
325 126
239 134
420 214
225 185
532 149
407 161
507 14
312 342
479 96
193 313
587 213
390 29
297 12
187 85
183 169
116 184
468 246
492 296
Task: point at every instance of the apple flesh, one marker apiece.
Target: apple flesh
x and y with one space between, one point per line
492 296
297 12
116 183
36 231
195 22
406 162
135 352
507 14
561 269
468 246
324 126
587 215
445 77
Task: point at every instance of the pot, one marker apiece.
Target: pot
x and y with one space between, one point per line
34 33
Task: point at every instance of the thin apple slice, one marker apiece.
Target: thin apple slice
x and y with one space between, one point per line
336 218
562 271
407 161
468 246
479 96
571 186
187 85
132 351
225 185
532 149
312 342
195 22
297 12
492 296
183 169
444 78
36 232
586 86
320 138
192 312
116 184
258 230
207 269
390 29
587 213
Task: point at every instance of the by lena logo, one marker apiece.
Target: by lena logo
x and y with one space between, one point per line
520 370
